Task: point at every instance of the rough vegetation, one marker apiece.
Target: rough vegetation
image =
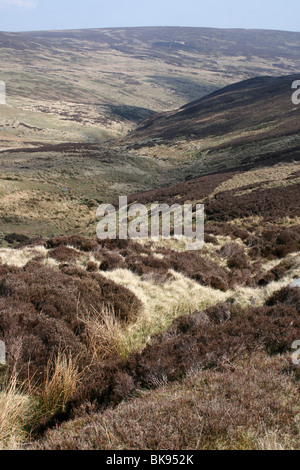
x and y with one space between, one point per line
74 314
134 344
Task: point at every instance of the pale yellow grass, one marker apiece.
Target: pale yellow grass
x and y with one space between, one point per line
181 296
275 174
15 409
23 408
20 258
103 332
62 379
272 441
36 205
162 302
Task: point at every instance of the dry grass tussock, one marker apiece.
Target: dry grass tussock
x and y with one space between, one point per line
16 408
104 332
61 380
20 257
24 408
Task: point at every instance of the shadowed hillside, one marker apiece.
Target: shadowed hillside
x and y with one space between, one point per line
250 105
243 125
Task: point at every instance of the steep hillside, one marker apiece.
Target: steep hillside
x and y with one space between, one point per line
243 125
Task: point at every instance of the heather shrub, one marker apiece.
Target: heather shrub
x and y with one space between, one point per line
238 261
81 243
91 267
274 274
148 265
200 269
61 294
102 386
275 243
64 254
289 296
208 238
219 313
32 338
193 190
181 348
41 311
236 258
271 203
225 229
109 260
37 241
241 277
16 237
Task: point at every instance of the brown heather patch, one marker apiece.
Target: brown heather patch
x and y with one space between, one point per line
64 254
79 242
193 190
200 269
33 338
290 264
40 309
275 242
270 203
249 405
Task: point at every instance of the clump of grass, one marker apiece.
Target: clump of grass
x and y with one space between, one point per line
61 380
24 408
103 332
16 409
